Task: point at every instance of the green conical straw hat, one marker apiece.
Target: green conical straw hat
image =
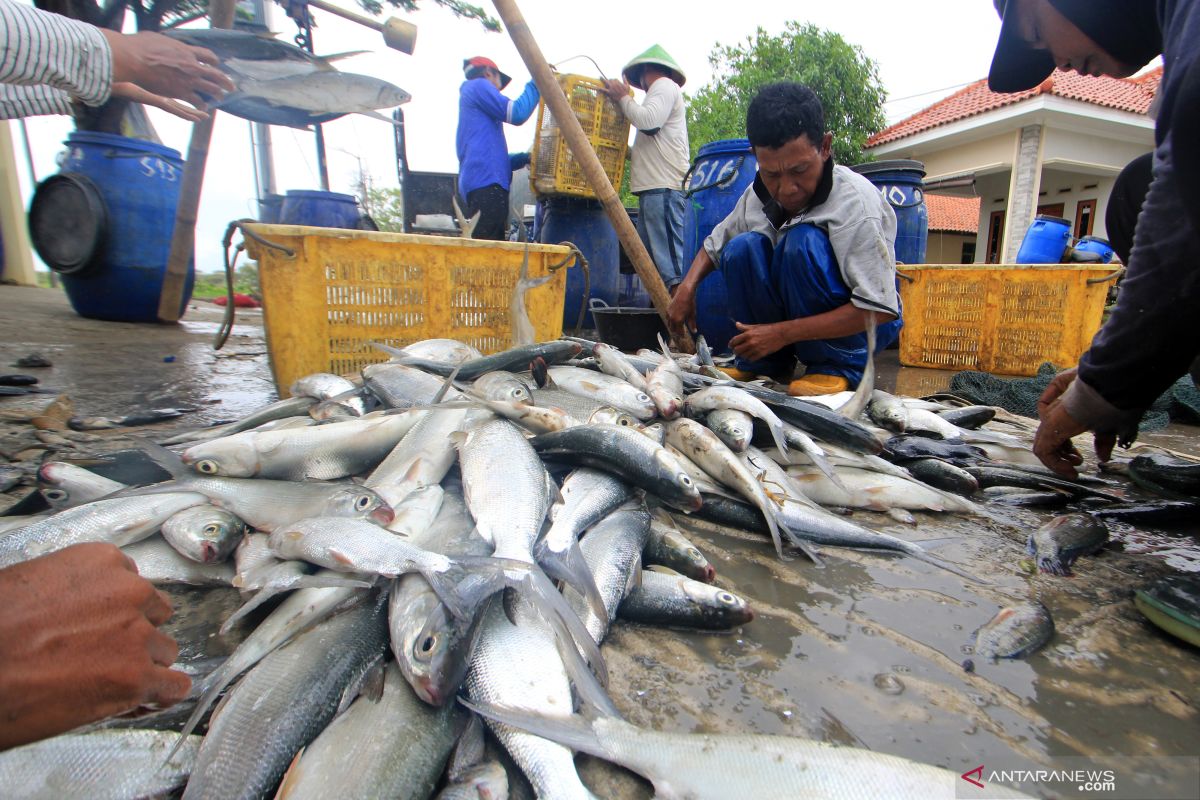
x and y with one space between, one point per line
657 56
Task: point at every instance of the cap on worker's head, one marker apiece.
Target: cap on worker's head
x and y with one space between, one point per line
472 67
1016 66
659 58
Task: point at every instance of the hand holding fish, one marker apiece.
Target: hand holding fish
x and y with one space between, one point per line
166 67
681 314
1052 443
79 642
755 342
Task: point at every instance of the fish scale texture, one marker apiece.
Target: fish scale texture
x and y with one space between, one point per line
282 704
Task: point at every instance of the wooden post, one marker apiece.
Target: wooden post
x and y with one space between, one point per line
183 240
581 148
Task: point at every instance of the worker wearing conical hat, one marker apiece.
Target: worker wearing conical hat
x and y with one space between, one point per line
660 157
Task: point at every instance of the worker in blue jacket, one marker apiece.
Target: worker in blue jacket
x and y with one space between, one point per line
485 166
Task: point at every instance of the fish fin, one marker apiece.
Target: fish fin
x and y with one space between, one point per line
541 374
569 566
587 686
387 348
169 461
377 115
341 557
537 588
217 681
1053 565
574 732
345 54
447 386
259 598
803 546
663 344
444 586
665 570
291 778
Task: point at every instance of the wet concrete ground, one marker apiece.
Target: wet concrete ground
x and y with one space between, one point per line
864 652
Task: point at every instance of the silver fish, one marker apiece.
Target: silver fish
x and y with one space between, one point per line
584 409
715 397
615 363
400 386
290 408
284 702
322 92
485 781
677 601
448 351
252 556
612 550
502 385
587 496
523 333
857 403
664 384
321 452
605 389
422 458
321 385
70 485
735 428
888 412
101 765
205 534
875 491
668 547
159 563
289 576
700 766
390 746
119 521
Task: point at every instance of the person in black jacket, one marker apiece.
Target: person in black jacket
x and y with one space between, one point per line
1151 337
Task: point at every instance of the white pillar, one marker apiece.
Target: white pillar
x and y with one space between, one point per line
18 253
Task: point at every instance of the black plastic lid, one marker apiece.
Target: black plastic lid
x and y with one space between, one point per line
68 222
889 166
1048 218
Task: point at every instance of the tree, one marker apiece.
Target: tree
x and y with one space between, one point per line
153 15
846 81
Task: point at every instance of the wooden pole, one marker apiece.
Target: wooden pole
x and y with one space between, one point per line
581 148
183 240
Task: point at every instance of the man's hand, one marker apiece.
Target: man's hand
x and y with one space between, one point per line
616 89
756 342
681 313
135 93
166 67
1052 443
79 642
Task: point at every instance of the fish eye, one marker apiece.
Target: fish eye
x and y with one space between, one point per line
212 529
362 502
207 466
623 422
726 598
694 553
685 480
426 646
54 495
643 397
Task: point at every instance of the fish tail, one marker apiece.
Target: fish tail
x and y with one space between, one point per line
777 433
801 545
570 567
445 587
259 598
166 459
537 588
1052 564
387 348
219 679
574 731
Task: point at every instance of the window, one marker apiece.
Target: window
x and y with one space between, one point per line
968 253
1085 215
1051 210
995 234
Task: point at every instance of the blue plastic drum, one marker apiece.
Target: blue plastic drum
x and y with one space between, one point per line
319 209
900 182
718 177
584 224
139 184
1095 244
1046 241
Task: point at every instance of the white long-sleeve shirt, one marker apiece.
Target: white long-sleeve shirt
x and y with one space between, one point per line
660 150
46 60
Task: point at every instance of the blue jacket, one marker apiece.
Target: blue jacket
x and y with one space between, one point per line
482 152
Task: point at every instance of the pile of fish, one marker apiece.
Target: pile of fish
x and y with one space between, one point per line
281 84
398 539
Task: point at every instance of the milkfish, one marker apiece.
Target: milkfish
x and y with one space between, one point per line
1062 540
668 547
699 766
513 359
612 550
605 389
159 563
816 420
204 533
70 485
715 397
291 408
502 385
677 601
615 363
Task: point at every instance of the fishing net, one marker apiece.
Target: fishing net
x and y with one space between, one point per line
1020 395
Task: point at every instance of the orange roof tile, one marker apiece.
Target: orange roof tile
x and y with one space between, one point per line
1124 94
952 214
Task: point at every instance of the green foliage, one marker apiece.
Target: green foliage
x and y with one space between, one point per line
386 207
212 284
846 81
457 7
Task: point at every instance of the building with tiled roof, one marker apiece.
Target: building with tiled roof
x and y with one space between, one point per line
1054 149
953 227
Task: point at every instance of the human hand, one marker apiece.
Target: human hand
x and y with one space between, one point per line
135 93
79 642
616 89
681 313
756 342
166 67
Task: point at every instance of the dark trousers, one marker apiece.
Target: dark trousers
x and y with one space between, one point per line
799 277
492 204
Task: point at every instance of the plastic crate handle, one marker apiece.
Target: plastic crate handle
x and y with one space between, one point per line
1105 278
726 178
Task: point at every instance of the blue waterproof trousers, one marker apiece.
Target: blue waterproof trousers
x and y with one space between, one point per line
799 277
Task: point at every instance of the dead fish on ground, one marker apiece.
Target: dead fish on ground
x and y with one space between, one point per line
128 421
1063 539
1015 632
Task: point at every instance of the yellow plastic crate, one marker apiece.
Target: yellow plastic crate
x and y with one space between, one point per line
339 290
553 169
1004 319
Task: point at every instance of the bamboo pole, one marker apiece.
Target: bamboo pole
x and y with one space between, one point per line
183 240
581 148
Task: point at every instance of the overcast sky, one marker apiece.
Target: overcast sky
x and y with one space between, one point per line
924 48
